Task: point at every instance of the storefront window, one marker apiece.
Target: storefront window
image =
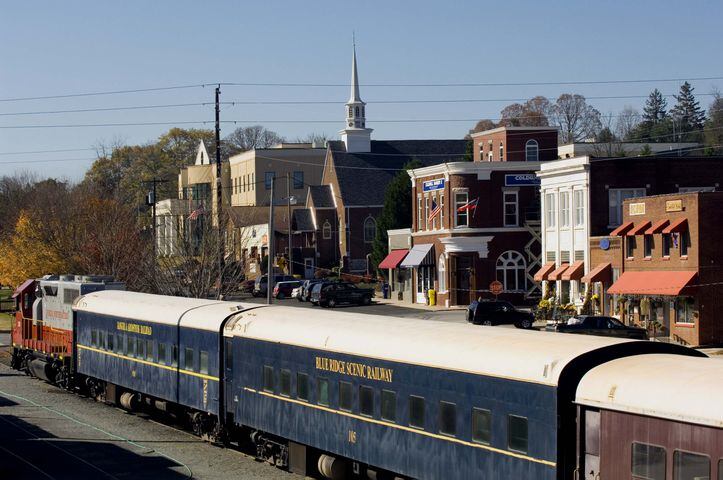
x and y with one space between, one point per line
511 271
666 244
461 199
684 310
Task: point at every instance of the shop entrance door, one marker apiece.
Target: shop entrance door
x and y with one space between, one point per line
464 280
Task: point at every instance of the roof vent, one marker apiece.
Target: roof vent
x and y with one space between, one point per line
611 394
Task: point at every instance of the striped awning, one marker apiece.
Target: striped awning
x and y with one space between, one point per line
421 254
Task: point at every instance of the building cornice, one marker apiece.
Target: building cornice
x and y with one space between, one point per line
483 170
468 231
514 129
564 166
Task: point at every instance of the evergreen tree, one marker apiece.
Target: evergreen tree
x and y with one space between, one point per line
397 211
687 115
654 110
714 126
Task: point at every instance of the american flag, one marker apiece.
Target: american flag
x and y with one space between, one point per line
471 205
435 211
194 214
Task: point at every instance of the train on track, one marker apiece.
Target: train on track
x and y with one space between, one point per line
346 395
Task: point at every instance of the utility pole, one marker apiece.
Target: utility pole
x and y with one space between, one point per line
270 253
219 194
288 213
151 200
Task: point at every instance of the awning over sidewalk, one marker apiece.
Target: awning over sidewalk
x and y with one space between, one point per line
601 273
639 228
557 273
575 272
544 271
393 259
419 255
657 227
654 282
622 229
678 226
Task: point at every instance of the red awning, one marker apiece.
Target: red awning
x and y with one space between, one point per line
678 226
557 274
622 229
652 282
601 273
394 258
657 227
575 272
639 228
544 271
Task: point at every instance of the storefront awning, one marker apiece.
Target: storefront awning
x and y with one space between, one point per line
657 227
393 259
639 228
557 273
419 255
678 226
544 271
653 282
622 229
575 272
601 273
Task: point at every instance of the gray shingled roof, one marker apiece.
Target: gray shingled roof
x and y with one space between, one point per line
364 177
301 220
321 196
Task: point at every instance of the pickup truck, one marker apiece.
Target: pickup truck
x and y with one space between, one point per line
600 325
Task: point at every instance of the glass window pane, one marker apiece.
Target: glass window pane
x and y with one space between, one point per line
648 461
140 348
149 350
345 396
690 466
481 425
447 418
302 386
110 342
389 405
517 433
416 411
93 338
720 469
188 359
162 354
131 347
285 384
204 362
174 359
366 401
322 391
268 378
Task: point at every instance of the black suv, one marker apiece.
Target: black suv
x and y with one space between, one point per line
493 312
601 325
306 287
333 294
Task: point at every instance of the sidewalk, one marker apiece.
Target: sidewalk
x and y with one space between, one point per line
419 306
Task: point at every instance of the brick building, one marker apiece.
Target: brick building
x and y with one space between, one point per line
515 144
672 274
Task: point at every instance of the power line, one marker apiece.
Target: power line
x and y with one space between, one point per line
47 151
110 92
109 109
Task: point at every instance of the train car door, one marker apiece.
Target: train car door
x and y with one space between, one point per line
589 445
228 376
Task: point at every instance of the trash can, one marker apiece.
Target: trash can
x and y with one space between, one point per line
432 296
385 290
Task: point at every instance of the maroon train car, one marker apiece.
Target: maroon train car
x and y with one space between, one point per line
654 417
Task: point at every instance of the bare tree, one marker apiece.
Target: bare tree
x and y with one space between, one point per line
533 113
576 119
481 126
248 138
628 120
316 139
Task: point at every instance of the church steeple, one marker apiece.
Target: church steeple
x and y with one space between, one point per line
356 136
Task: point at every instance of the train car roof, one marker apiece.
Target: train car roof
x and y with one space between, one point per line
196 313
530 356
674 387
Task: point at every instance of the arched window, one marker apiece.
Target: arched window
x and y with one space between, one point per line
326 230
502 152
351 112
511 271
370 230
356 110
532 151
442 268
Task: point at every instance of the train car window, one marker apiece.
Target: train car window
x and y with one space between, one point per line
149 350
517 433
720 469
131 347
204 362
111 343
69 295
162 354
481 426
389 406
366 401
285 382
140 348
648 461
416 412
188 363
345 396
93 338
690 466
122 346
174 357
302 386
322 391
448 418
229 353
268 379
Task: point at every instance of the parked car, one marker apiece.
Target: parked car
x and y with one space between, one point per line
296 293
247 286
601 325
495 312
283 289
262 282
333 294
305 294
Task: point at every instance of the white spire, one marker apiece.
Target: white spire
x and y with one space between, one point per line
354 80
356 135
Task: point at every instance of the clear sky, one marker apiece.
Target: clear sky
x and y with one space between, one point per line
53 48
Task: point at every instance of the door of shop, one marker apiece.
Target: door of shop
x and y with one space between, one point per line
464 280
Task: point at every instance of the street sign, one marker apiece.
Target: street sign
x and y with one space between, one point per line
496 288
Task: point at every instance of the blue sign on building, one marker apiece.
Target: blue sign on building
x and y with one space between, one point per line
522 179
431 185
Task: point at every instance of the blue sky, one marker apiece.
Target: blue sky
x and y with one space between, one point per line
51 48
